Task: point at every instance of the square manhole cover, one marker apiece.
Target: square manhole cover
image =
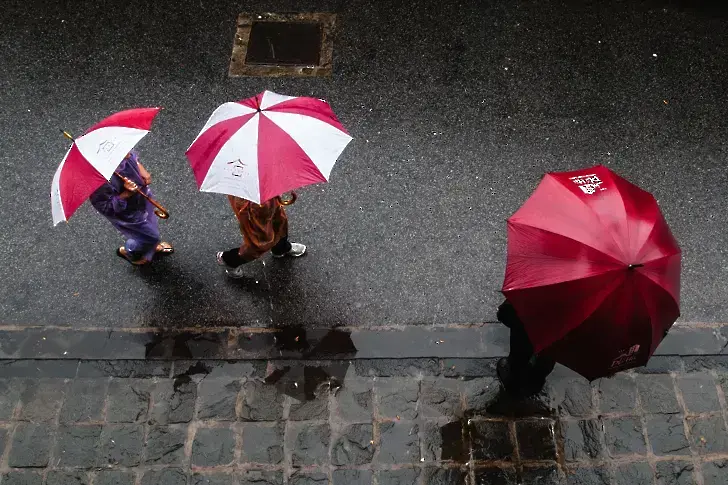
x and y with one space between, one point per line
283 45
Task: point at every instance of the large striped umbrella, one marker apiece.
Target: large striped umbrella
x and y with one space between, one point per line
93 158
267 145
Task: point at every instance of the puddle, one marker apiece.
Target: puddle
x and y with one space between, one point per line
302 380
454 447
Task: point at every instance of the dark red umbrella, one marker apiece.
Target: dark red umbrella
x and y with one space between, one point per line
593 271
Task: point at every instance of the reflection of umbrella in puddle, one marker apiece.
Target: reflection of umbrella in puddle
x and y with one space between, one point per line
301 380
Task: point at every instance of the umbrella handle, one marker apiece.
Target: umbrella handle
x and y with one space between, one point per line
290 201
159 210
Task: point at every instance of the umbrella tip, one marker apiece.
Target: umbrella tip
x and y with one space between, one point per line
633 266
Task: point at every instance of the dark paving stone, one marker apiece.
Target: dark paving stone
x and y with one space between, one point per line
211 479
352 477
258 477
397 398
114 477
217 399
10 391
396 367
691 340
263 442
480 395
536 439
402 476
706 363
3 440
66 478
39 369
708 434
174 401
491 440
353 446
317 408
41 399
571 396
166 476
398 442
77 446
217 369
124 368
662 364
582 439
353 402
309 443
31 446
12 340
128 400
588 476
445 442
657 394
440 398
469 368
308 478
121 444
261 402
667 435
714 473
503 404
699 393
624 436
675 473
495 476
541 475
165 445
637 473
22 478
84 401
445 476
617 394
418 342
213 447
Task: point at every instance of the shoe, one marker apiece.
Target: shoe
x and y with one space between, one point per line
219 259
235 273
164 248
296 251
121 252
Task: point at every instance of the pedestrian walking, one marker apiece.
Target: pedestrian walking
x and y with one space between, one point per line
264 228
523 373
121 200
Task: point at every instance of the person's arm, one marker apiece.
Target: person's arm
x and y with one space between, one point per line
146 176
109 202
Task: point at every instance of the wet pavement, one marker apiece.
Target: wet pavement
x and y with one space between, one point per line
415 421
456 109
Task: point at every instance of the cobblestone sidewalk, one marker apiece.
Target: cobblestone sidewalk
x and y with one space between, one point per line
385 422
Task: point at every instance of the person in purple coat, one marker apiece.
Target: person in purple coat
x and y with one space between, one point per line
130 213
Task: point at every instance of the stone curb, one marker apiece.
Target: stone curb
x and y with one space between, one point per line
478 341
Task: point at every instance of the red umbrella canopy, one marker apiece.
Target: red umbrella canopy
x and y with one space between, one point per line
593 271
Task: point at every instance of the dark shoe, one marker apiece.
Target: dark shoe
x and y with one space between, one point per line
503 370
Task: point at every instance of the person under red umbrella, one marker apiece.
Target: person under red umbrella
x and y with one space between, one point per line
121 202
593 272
264 228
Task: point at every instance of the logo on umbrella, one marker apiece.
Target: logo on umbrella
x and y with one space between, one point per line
107 146
237 168
588 183
626 357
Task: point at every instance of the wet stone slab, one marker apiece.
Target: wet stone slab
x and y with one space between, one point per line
213 447
657 393
77 446
263 442
715 472
397 398
309 443
624 436
667 435
636 473
708 434
352 477
582 439
699 393
165 445
675 473
31 446
536 439
491 440
399 442
114 477
588 475
617 394
353 445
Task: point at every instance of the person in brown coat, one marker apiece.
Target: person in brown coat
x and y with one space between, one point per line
264 228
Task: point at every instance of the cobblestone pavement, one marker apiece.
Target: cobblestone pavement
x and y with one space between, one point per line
365 421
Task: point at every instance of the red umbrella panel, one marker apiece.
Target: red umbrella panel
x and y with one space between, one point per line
593 271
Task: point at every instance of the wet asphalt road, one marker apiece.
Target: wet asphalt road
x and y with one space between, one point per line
457 109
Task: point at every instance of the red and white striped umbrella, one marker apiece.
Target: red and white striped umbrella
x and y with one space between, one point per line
93 158
267 145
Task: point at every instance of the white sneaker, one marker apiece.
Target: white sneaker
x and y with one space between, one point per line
220 261
296 251
235 273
